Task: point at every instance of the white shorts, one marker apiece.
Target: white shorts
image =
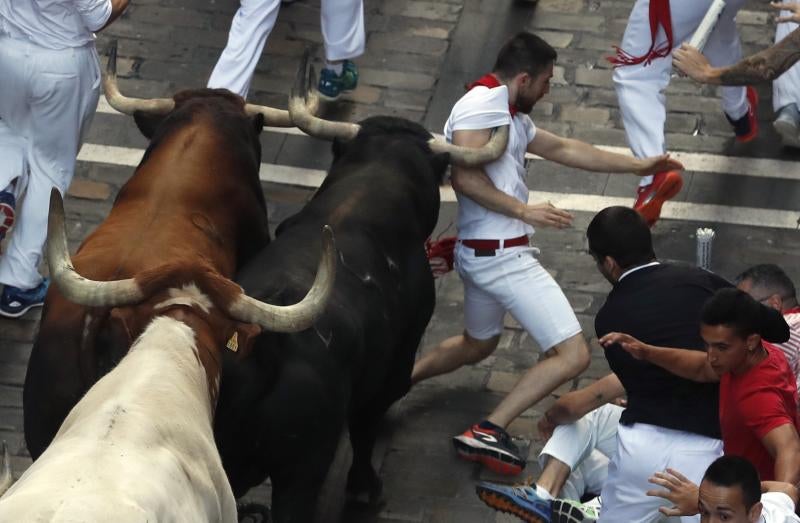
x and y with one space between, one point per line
513 280
643 449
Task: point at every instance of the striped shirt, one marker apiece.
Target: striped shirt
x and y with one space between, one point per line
791 349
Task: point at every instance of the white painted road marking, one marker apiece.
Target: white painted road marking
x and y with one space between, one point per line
694 162
312 178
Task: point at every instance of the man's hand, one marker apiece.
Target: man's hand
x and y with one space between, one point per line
631 345
792 7
684 495
657 164
546 215
693 64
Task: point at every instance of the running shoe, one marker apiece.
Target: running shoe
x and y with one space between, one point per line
746 127
786 125
651 197
7 213
332 85
14 302
492 448
571 511
521 501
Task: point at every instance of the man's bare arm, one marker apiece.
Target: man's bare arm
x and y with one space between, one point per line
761 67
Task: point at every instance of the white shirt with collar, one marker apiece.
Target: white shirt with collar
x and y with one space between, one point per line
777 508
485 108
54 24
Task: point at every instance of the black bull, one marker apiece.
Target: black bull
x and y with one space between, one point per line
282 408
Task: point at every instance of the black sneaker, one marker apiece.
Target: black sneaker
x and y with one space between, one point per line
491 448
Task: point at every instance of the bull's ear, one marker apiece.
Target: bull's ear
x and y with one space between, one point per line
147 123
258 122
242 338
440 163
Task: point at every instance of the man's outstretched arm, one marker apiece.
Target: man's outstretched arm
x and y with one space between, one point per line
761 67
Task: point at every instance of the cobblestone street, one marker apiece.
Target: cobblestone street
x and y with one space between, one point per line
419 56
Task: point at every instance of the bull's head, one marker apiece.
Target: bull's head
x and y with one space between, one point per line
159 107
228 296
303 104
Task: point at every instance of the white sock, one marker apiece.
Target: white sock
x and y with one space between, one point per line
337 67
542 493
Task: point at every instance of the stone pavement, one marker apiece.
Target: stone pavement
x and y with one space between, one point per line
419 55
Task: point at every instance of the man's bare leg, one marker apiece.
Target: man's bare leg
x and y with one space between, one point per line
553 477
451 354
571 358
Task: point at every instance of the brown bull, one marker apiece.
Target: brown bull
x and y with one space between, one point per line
194 204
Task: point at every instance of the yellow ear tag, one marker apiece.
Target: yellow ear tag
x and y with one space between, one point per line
233 343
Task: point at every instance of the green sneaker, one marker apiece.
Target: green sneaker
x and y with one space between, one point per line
332 85
571 511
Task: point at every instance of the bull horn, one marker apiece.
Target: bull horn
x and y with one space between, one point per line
302 106
471 156
127 105
279 117
72 285
6 479
302 315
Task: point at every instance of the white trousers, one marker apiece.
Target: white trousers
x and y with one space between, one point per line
47 101
342 23
586 447
640 88
786 88
642 450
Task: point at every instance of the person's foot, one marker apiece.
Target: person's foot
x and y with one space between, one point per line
571 511
787 125
14 302
7 213
332 85
746 127
651 198
491 447
522 501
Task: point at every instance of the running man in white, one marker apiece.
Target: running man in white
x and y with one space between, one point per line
493 257
643 69
342 23
49 87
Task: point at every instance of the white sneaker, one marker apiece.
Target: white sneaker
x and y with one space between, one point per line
786 125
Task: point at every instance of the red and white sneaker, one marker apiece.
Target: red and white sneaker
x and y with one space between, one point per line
746 127
491 448
651 197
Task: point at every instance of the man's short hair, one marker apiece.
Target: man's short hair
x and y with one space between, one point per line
524 53
770 278
622 233
733 471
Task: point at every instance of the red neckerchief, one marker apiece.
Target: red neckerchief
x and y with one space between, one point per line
659 16
490 81
793 310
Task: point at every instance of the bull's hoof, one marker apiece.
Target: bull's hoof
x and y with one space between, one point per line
253 513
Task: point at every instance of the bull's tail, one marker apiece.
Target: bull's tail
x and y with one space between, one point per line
6 480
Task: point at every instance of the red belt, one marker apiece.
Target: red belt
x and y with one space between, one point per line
493 245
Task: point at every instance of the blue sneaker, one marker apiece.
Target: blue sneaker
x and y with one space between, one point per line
521 501
7 205
332 85
15 302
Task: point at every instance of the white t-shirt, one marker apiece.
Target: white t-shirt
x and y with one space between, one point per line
484 108
778 508
54 24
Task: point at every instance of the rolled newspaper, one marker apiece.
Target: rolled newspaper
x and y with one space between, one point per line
705 237
700 36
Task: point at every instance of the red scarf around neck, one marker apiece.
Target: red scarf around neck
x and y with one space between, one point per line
491 81
659 16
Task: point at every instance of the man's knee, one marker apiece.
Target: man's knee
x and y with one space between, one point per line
575 353
478 350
